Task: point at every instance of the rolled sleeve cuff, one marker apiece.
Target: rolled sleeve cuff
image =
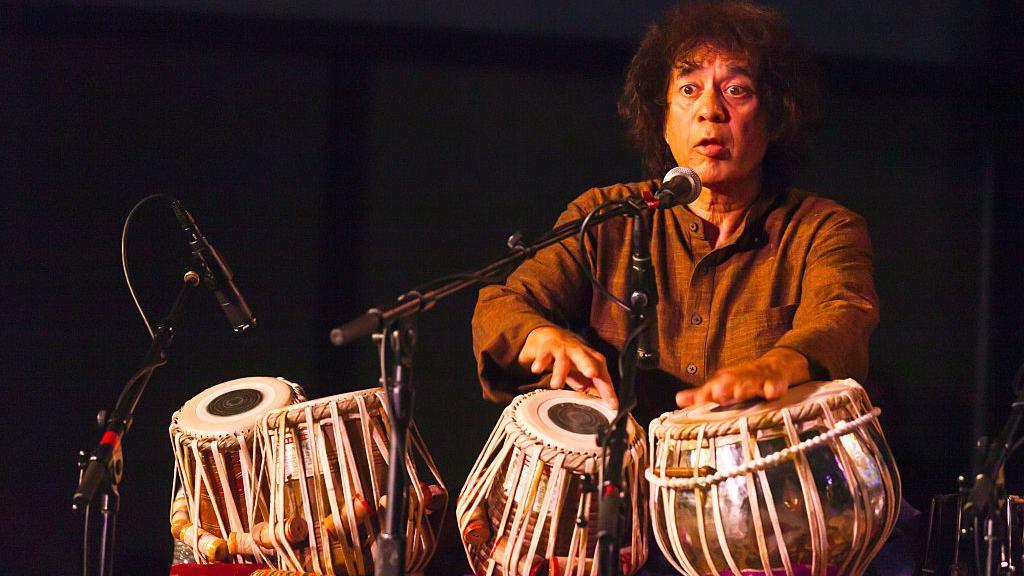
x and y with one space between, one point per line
498 360
826 358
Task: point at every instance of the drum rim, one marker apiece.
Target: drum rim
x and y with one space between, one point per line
677 425
205 438
295 414
525 439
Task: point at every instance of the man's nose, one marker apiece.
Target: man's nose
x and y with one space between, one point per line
710 108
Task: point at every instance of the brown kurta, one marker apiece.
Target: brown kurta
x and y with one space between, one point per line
798 275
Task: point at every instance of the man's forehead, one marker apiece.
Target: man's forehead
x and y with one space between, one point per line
705 55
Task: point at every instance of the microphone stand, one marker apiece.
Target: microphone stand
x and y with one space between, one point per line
401 395
986 500
390 560
642 293
101 471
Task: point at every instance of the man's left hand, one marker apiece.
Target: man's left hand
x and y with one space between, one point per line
766 377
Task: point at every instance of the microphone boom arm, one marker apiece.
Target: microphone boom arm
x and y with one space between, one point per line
375 319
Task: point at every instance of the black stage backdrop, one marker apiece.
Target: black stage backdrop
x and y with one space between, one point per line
336 165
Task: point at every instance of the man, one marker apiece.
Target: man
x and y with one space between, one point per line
760 286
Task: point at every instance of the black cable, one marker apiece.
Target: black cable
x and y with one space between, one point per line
124 257
481 278
629 339
589 267
135 378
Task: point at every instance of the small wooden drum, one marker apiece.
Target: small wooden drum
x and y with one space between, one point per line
530 504
327 466
219 472
805 484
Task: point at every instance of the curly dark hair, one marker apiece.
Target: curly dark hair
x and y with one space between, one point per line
787 79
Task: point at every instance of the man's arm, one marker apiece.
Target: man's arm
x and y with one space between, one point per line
519 327
829 339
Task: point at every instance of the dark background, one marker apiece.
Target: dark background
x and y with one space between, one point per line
339 154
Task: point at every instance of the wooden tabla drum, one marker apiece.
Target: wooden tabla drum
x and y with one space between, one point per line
805 484
218 470
327 463
530 505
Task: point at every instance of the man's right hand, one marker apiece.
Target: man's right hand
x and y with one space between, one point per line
569 360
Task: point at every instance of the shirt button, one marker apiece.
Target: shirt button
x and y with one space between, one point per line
694 227
691 369
696 319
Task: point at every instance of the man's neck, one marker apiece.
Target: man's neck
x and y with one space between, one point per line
724 211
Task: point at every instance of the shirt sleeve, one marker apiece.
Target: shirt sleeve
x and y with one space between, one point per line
549 289
838 307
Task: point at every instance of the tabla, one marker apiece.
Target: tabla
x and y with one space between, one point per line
531 501
805 484
218 470
327 463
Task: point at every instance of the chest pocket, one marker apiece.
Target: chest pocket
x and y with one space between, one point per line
748 336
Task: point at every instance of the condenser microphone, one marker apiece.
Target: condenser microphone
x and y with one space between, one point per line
216 275
681 185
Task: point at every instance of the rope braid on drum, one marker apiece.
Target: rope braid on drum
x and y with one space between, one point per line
762 463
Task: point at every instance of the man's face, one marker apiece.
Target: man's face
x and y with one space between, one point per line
714 123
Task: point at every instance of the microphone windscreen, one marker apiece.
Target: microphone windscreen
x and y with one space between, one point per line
683 182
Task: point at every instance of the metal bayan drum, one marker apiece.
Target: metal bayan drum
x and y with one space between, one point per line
530 503
805 484
327 463
212 439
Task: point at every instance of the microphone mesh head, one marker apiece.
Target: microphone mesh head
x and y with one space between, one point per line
683 183
684 172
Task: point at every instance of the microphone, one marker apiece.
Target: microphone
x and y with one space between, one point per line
681 185
644 298
218 277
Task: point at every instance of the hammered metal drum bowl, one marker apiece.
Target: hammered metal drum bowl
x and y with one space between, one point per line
531 501
216 466
327 465
805 484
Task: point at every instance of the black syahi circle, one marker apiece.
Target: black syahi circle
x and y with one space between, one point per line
577 418
235 402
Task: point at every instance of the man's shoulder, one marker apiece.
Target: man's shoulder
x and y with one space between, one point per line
805 206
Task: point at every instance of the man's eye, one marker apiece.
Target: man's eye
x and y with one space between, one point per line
688 89
737 90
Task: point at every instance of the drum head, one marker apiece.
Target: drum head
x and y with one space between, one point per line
806 393
566 419
233 406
